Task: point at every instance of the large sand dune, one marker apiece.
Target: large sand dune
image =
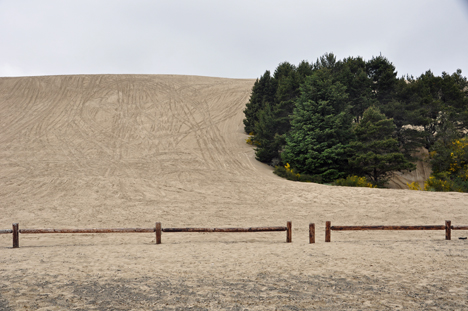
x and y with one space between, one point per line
129 150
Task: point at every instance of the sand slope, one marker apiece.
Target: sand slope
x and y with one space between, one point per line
130 150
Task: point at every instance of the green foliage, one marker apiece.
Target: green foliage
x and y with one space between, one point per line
267 136
451 158
375 152
439 105
352 74
320 128
383 76
263 92
273 119
354 181
434 184
302 115
449 166
288 173
251 140
437 184
327 60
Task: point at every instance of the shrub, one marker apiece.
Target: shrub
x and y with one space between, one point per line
251 140
414 186
354 181
288 173
436 184
440 184
450 167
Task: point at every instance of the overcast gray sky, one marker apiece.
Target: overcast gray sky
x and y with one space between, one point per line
233 39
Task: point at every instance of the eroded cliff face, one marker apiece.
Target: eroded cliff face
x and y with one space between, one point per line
421 174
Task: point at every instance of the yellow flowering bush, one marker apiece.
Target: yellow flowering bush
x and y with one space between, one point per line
449 166
414 186
291 171
436 184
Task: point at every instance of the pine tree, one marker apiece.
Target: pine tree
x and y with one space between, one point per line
263 92
274 119
384 79
321 128
375 152
352 73
327 60
268 139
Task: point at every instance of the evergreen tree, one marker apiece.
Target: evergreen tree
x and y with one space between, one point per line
352 73
454 96
307 111
375 152
384 79
321 128
407 117
437 104
274 119
304 69
267 134
263 92
327 60
424 92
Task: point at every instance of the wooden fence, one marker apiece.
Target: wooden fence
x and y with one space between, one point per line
447 227
157 229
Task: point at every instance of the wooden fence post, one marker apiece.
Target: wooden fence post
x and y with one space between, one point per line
311 233
15 236
448 230
289 232
327 231
158 233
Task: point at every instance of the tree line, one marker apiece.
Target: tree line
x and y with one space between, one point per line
331 119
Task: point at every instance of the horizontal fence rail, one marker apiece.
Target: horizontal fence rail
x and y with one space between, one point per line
356 228
447 227
459 227
92 230
254 229
288 230
157 229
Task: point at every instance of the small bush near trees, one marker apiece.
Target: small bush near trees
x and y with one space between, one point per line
436 184
288 173
354 181
450 166
251 140
414 186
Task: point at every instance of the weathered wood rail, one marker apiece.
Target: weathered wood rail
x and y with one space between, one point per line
92 230
459 227
157 230
447 227
288 230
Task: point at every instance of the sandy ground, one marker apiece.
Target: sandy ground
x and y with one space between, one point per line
112 151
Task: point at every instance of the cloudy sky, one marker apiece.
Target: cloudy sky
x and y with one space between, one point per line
233 39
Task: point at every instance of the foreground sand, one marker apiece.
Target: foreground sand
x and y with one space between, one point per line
113 151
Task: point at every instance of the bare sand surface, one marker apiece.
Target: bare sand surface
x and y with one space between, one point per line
112 151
